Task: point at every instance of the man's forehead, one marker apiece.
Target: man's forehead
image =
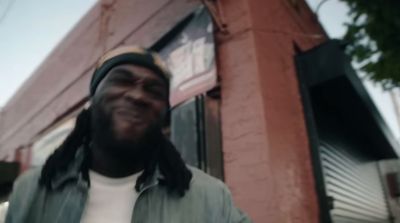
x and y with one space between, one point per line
137 71
129 71
129 55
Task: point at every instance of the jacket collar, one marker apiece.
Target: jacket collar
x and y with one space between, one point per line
74 173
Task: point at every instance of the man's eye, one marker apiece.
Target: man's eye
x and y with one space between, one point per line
155 91
123 81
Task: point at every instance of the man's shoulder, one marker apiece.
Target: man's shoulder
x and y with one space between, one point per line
215 196
28 179
24 189
205 182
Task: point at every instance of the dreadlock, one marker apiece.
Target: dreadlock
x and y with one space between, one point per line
176 174
65 153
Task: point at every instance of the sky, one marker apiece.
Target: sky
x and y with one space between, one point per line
29 30
332 14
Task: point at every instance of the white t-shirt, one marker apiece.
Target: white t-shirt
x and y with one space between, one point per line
110 199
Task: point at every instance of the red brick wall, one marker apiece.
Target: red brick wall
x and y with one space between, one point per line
265 145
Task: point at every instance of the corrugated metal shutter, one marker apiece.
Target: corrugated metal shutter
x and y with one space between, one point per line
354 183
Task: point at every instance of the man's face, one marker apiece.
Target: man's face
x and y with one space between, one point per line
131 101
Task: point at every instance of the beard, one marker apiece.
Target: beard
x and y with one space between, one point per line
105 138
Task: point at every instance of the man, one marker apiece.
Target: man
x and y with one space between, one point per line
116 165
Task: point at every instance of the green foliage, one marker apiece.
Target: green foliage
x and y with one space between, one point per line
374 38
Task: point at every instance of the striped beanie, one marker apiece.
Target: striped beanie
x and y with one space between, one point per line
128 55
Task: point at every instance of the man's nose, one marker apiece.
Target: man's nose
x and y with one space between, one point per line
136 96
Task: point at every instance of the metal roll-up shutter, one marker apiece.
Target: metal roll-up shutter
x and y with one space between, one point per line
354 184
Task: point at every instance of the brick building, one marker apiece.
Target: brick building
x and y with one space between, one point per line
251 125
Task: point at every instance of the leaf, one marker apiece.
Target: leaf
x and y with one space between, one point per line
375 27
